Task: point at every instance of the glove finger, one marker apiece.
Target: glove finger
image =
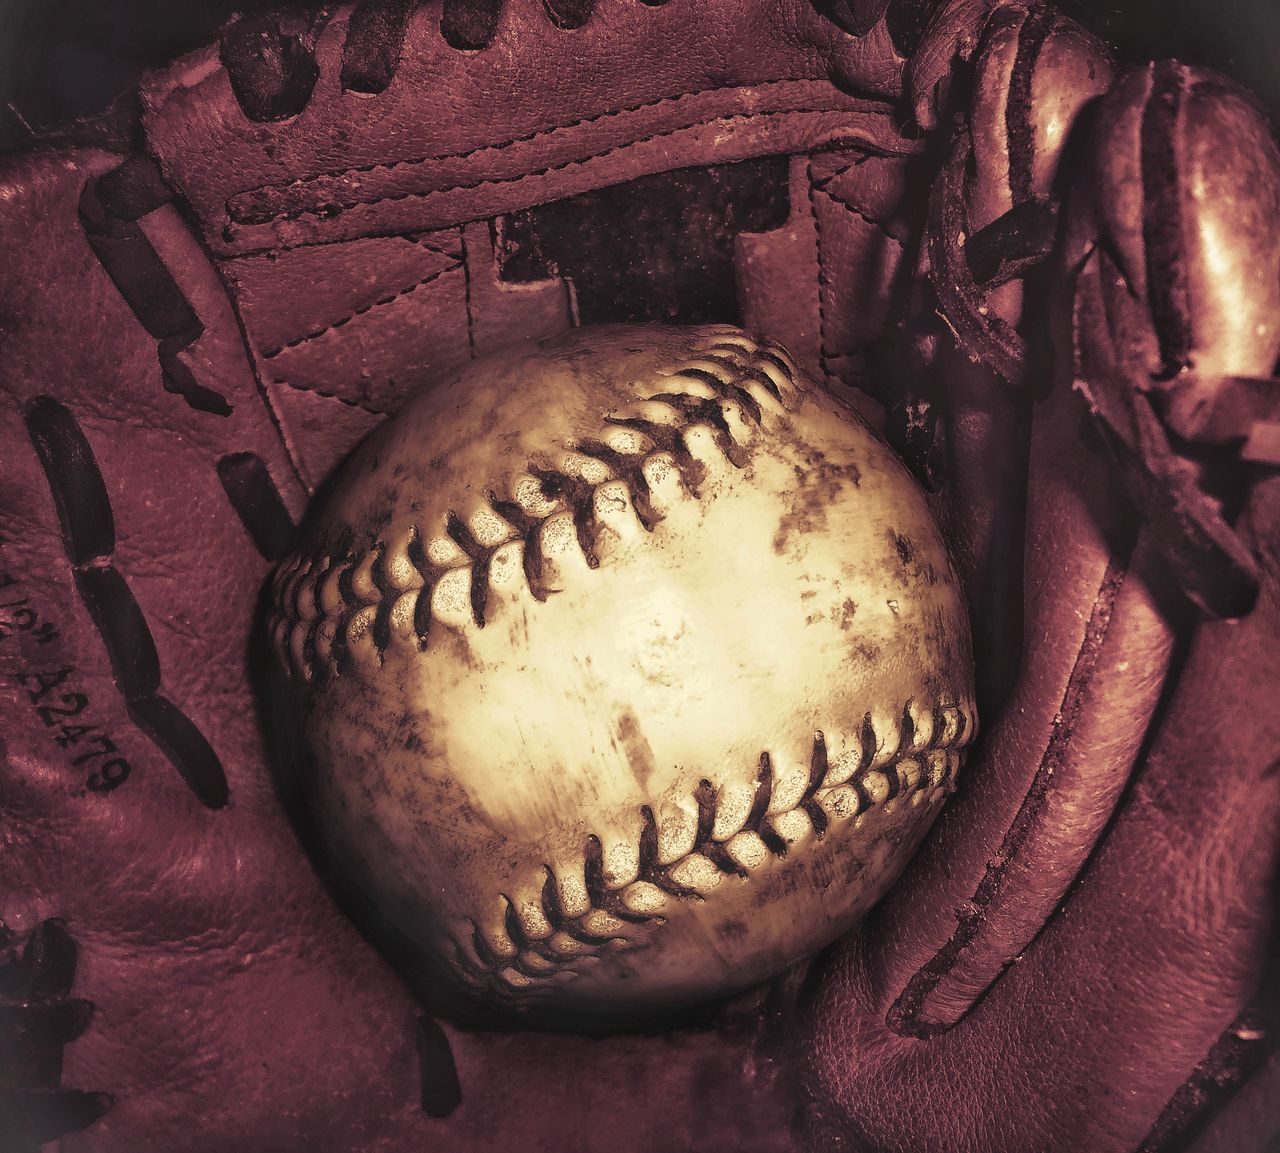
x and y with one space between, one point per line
1046 776
1155 950
137 799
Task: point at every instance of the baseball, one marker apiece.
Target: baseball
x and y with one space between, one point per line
629 668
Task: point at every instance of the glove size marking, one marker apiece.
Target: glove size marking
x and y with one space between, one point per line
19 617
59 710
85 516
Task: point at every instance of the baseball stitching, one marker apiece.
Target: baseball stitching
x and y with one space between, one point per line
535 946
333 611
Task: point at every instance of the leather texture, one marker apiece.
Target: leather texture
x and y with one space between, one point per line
1050 281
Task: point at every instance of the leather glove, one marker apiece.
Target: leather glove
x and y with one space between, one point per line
319 214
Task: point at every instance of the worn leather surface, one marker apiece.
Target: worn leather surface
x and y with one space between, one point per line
324 211
233 1006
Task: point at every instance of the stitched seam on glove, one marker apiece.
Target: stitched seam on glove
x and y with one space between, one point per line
315 334
333 209
543 134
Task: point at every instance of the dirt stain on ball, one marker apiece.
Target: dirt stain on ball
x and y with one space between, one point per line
635 748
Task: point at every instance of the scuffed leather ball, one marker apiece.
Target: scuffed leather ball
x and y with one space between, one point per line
629 668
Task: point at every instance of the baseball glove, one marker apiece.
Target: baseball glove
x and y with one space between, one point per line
1051 282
